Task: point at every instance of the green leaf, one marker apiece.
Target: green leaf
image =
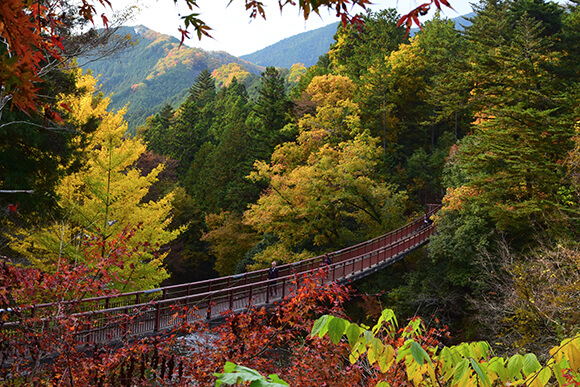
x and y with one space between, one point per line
419 354
482 375
387 316
234 374
514 367
277 381
336 328
404 350
460 370
531 364
353 332
320 326
497 365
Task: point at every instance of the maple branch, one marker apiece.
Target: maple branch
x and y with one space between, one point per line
265 347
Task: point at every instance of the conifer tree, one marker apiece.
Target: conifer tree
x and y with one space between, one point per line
203 89
158 130
523 130
272 107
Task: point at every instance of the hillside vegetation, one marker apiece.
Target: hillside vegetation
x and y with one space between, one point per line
302 48
155 70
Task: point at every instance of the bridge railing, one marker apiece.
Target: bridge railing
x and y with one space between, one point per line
230 293
148 316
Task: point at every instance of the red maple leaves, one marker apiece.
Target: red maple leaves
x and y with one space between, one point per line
421 10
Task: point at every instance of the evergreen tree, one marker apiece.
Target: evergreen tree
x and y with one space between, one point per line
203 89
158 129
356 48
272 107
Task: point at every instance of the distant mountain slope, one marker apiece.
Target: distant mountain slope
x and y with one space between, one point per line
302 48
155 71
308 46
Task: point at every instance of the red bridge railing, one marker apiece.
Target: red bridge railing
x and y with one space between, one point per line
154 310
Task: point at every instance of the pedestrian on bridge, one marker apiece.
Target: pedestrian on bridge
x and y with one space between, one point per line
326 260
427 221
272 275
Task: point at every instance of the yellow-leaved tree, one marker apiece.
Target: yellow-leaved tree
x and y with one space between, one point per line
324 191
103 202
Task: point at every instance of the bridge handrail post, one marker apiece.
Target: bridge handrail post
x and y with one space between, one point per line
157 317
209 307
231 299
284 287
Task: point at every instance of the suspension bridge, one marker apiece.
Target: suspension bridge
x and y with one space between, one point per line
153 311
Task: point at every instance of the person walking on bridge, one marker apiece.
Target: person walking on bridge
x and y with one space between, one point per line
272 275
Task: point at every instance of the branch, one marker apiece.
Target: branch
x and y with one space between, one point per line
33 124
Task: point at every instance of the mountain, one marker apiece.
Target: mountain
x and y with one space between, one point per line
156 70
303 48
306 47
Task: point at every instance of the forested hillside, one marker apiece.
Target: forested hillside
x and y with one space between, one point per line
302 48
156 70
482 120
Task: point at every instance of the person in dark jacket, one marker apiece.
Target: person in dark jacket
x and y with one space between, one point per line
272 275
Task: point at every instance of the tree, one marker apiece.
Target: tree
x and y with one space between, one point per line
157 132
272 108
203 90
506 180
230 238
103 198
357 48
323 188
524 127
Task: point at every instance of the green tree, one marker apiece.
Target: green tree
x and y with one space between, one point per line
505 180
356 48
203 90
272 108
158 129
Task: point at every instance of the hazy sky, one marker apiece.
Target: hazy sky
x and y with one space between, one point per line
235 33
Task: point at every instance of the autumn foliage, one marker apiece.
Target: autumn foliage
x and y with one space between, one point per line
45 350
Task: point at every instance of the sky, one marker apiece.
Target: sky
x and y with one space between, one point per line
234 31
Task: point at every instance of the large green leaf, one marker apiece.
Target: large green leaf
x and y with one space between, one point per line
336 328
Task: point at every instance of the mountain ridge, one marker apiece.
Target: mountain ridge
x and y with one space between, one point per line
156 70
306 47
